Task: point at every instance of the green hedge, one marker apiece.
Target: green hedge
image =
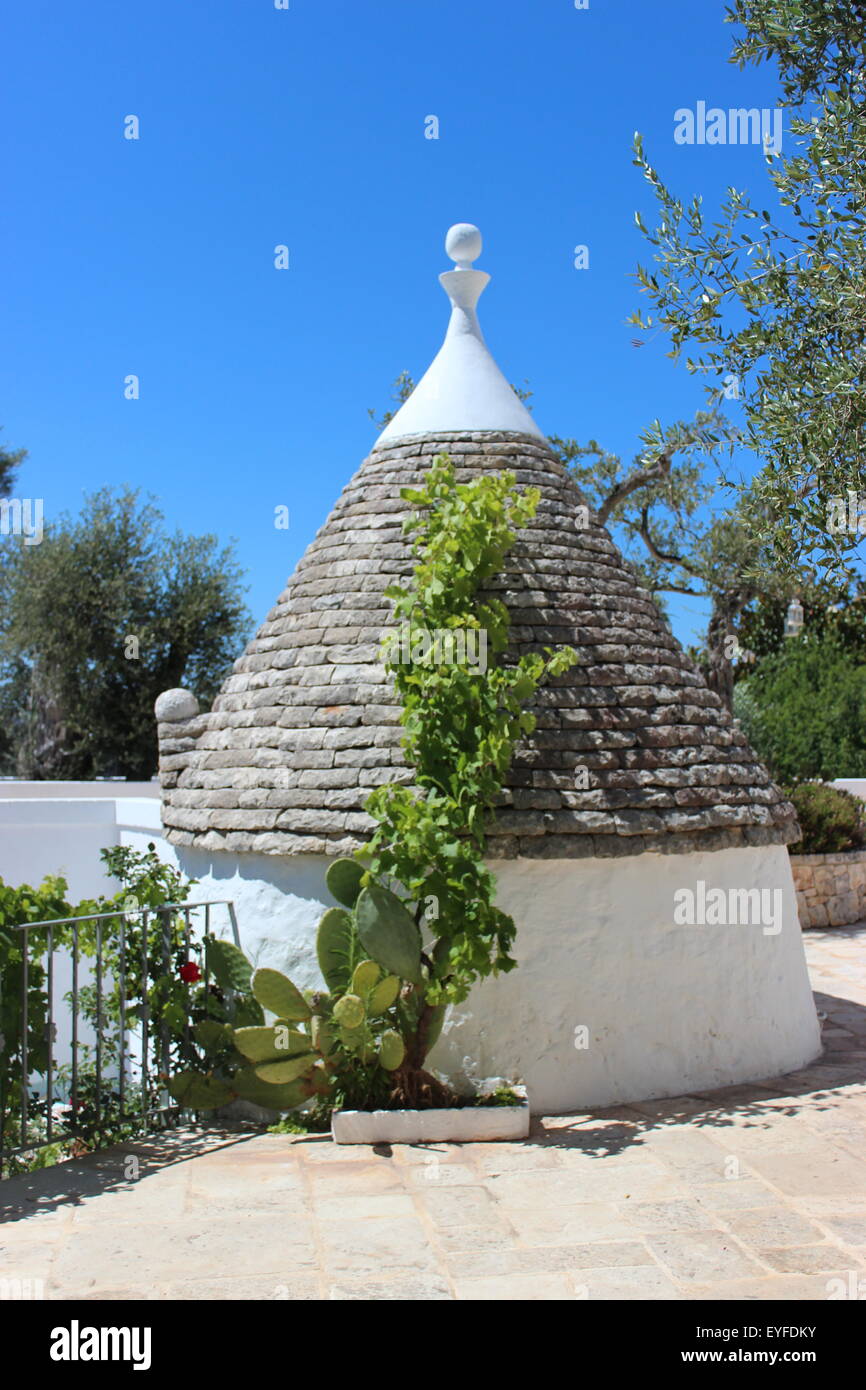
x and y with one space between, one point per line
804 711
831 820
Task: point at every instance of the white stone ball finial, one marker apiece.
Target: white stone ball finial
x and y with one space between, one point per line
463 244
175 705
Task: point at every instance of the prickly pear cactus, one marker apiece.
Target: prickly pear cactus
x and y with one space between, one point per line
196 1092
276 993
248 1086
338 948
349 1012
365 977
340 1040
389 933
392 1050
344 881
271 1044
292 1069
383 996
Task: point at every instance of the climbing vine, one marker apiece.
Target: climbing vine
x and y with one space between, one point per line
461 721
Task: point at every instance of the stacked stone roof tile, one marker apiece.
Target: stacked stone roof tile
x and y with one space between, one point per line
631 751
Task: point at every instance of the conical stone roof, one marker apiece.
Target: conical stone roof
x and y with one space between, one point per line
631 751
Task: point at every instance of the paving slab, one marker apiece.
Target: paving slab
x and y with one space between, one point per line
754 1192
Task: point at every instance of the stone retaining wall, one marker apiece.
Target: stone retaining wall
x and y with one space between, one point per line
831 888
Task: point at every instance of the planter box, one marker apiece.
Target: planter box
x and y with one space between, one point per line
471 1123
831 888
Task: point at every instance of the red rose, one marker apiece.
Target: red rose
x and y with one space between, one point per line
190 972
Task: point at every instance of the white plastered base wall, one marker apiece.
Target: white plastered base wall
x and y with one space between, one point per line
667 1009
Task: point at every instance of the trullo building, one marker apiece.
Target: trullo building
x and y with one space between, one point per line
642 850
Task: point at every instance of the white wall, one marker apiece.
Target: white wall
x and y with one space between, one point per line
10 789
668 1008
52 835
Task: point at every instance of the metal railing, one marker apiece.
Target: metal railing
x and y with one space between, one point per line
134 1092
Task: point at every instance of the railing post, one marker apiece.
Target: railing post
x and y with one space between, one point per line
234 922
164 1031
25 1048
49 1079
2 1084
74 1024
186 941
98 1023
121 1085
145 1020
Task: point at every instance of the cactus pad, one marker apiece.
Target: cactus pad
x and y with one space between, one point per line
391 1050
228 965
349 1012
323 1036
383 996
292 1069
366 976
389 933
270 1044
211 1035
196 1092
249 1087
276 993
337 948
344 881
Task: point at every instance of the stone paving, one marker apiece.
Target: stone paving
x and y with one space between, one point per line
754 1192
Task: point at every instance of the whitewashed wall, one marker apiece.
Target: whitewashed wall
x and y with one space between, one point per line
42 835
667 1008
106 788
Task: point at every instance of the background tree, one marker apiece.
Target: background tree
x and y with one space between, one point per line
667 510
9 461
775 295
802 702
95 621
401 390
688 532
804 710
829 611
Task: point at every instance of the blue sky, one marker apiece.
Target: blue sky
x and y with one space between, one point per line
305 127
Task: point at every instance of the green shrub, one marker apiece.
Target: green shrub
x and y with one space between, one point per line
804 711
831 820
746 711
178 1001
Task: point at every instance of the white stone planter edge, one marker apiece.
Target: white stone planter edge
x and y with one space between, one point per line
469 1124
